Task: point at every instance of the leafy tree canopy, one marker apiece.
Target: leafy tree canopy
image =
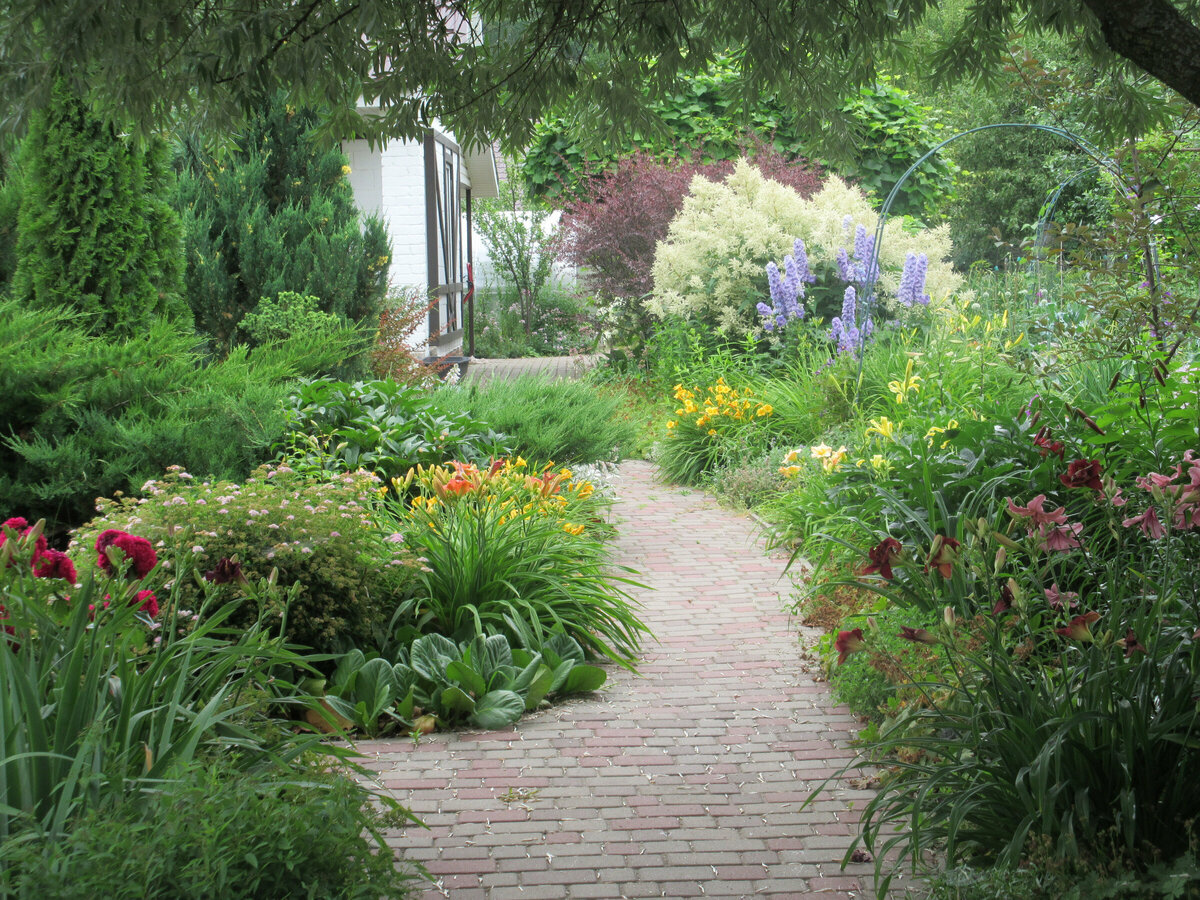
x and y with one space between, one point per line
491 68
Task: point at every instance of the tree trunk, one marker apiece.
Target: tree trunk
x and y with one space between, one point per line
1154 35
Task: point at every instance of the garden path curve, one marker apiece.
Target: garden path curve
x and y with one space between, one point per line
685 780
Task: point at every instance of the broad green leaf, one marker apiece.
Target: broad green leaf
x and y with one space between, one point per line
565 646
466 677
538 687
455 700
583 678
497 709
430 656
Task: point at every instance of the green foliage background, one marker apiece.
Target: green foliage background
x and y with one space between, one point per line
95 233
275 213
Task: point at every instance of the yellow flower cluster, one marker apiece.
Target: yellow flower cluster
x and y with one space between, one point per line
935 430
508 486
830 459
720 401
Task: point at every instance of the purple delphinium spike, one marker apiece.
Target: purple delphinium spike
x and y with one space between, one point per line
800 254
845 270
786 291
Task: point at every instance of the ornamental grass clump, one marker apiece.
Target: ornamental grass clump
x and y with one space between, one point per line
515 550
316 535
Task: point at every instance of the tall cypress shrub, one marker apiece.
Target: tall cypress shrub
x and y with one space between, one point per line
276 214
95 232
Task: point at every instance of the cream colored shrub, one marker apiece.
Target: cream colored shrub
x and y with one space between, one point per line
711 267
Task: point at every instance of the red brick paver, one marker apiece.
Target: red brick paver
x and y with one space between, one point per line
685 780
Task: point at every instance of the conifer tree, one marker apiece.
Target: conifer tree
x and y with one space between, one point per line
95 233
276 215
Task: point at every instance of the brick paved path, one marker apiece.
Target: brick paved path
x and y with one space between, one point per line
683 781
548 366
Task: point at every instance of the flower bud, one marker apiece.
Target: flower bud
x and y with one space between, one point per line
1001 559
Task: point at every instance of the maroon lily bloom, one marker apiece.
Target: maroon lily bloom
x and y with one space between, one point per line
1046 446
1005 603
917 635
1083 473
225 571
881 556
1132 644
848 642
942 555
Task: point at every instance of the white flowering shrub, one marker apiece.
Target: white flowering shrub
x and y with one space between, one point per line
711 268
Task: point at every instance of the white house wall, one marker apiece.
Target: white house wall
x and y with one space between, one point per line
389 181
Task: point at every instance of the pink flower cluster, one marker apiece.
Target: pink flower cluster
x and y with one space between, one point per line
1182 498
1055 531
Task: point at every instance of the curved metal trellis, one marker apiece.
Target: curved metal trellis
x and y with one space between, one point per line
1102 162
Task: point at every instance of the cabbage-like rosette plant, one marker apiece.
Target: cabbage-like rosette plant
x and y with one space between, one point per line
711 267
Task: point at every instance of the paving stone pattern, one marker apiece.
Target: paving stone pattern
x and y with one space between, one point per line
685 780
549 366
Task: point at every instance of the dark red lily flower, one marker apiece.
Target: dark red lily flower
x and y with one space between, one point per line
1005 603
1132 644
226 570
1046 446
848 642
942 555
918 635
1079 628
881 556
1083 473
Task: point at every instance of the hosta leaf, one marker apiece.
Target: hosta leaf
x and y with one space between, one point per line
538 687
430 656
455 700
466 677
497 709
564 646
583 678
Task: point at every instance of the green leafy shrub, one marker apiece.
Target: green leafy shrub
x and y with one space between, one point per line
381 426
82 416
511 552
288 313
712 266
95 232
317 535
274 214
213 831
567 421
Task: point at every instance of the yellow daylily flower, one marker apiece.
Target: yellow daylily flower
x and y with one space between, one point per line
910 382
884 427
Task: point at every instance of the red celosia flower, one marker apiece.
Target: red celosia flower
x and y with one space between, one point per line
917 635
1082 473
942 555
135 548
54 564
148 603
1079 628
881 556
22 528
848 642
